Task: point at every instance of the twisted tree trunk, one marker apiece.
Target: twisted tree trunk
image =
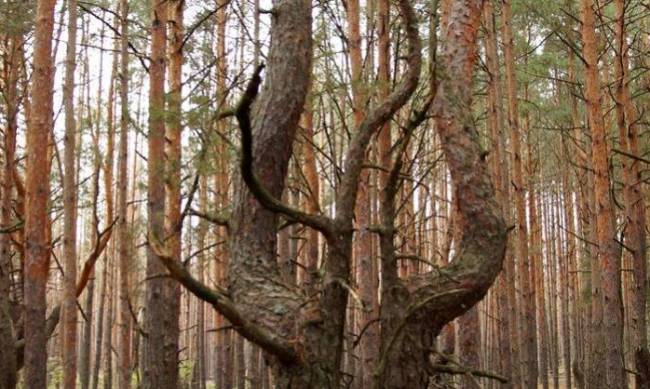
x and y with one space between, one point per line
415 310
303 335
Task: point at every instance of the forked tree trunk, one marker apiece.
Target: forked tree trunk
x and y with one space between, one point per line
305 338
414 311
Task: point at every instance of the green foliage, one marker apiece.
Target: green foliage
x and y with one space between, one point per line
16 17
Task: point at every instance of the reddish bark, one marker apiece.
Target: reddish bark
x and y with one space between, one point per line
37 187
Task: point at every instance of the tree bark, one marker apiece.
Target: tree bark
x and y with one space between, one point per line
69 209
635 213
307 352
124 363
12 60
173 179
160 368
528 324
414 312
37 193
607 355
199 373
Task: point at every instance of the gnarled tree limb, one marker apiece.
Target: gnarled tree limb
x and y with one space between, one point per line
242 113
221 301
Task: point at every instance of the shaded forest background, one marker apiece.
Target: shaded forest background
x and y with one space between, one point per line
363 194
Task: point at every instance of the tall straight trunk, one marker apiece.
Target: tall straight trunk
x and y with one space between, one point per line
37 188
528 325
172 156
199 373
108 329
635 213
538 273
222 355
69 208
564 258
124 354
363 258
160 368
368 277
583 195
546 273
469 333
499 167
8 365
107 168
551 278
85 353
313 199
607 362
99 332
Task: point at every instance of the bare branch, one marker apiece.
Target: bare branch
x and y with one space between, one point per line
463 370
355 157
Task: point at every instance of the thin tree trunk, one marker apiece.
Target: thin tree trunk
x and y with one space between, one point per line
199 373
528 325
222 357
537 257
69 208
123 226
8 363
313 199
99 332
172 156
499 165
85 354
565 259
635 213
108 330
363 258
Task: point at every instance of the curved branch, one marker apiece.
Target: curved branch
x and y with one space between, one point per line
463 370
220 300
268 201
355 157
220 220
483 239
